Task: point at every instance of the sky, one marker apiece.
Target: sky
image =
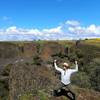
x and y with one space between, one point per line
49 19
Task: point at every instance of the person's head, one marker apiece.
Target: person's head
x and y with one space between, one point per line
65 66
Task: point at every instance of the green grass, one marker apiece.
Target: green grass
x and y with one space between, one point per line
95 42
43 95
26 96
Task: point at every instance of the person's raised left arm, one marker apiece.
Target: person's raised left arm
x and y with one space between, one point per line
76 67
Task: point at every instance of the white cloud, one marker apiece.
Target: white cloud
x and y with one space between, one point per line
34 31
12 29
6 18
69 30
92 29
53 30
72 23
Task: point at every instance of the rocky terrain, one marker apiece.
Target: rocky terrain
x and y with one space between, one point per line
27 71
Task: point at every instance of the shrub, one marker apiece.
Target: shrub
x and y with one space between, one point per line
37 60
81 79
4 90
72 57
6 70
95 78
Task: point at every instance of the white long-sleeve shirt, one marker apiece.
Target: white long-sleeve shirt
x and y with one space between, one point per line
66 74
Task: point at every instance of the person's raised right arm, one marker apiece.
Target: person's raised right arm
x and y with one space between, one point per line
56 67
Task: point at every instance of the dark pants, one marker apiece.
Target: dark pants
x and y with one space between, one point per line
65 90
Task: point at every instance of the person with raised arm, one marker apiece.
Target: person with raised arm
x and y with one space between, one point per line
66 73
